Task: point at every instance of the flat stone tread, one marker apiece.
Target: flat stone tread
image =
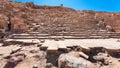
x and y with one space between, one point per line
61 45
46 44
53 46
85 43
113 44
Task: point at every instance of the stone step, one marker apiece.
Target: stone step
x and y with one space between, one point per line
67 35
115 36
53 47
79 34
43 35
45 46
61 45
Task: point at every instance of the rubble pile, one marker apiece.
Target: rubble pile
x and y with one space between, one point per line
66 55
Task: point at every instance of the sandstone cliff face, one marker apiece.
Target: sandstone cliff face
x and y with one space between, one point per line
50 19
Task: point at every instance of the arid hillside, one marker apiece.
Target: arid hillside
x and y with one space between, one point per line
19 17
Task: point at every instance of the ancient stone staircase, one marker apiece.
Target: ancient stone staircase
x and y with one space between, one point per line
89 34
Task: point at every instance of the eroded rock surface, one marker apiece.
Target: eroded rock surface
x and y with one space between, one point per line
73 60
52 19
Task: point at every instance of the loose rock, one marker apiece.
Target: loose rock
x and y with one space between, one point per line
71 61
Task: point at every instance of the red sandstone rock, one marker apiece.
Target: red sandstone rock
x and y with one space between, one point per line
14 60
3 22
18 24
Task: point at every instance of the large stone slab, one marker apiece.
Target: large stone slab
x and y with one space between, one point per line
108 44
53 47
61 45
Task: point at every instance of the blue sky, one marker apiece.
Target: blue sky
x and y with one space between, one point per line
96 5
